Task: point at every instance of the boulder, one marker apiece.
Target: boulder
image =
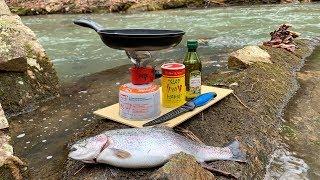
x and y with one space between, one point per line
53 6
10 165
182 166
246 56
4 8
3 120
13 56
6 149
289 1
26 73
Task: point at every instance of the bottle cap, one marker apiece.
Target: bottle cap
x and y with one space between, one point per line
192 44
173 69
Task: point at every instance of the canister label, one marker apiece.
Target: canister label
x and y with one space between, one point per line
139 102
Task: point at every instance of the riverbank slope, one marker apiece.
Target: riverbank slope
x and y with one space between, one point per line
302 116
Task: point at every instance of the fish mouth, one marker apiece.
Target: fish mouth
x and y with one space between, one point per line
76 152
82 157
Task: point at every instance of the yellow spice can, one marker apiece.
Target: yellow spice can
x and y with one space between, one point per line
173 84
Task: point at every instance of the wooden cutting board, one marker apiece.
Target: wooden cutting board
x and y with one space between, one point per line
112 112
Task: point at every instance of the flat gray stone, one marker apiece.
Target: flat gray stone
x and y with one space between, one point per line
246 56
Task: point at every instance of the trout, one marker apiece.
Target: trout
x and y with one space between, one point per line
147 147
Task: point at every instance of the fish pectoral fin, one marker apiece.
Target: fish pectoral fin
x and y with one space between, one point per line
121 153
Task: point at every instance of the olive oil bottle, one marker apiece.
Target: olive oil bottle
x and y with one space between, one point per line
193 70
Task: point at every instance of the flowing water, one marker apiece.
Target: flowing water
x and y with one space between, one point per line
78 51
40 136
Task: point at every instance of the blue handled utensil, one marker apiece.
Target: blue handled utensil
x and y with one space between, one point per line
188 106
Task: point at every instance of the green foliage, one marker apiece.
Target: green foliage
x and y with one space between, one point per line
288 131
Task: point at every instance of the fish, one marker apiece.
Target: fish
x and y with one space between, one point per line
147 147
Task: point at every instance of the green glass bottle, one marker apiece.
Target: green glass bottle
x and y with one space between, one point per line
193 70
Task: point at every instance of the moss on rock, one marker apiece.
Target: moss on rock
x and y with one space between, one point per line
288 131
22 11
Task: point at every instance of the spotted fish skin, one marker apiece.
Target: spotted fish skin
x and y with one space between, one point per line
147 147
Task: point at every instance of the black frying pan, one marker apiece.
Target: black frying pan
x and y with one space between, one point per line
135 39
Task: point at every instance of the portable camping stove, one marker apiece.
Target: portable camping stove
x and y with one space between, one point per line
139 99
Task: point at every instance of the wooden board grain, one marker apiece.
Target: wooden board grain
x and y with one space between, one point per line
112 112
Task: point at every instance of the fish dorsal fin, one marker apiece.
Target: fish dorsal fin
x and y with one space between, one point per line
121 153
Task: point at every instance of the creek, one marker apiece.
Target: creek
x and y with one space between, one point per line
77 51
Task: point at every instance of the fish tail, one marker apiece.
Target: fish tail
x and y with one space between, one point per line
237 154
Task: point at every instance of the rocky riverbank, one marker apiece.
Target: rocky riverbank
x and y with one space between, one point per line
262 90
302 116
252 114
27 76
35 7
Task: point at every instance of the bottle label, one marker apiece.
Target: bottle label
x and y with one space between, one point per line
195 83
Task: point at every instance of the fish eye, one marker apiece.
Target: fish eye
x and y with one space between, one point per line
73 149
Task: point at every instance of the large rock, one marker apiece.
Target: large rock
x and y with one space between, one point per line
182 166
26 73
4 8
10 165
53 6
6 149
13 55
246 56
289 1
3 120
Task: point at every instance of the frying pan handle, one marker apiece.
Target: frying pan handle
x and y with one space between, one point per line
88 23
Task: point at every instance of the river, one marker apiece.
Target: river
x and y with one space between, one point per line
77 51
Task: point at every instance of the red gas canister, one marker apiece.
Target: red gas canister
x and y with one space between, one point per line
142 75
